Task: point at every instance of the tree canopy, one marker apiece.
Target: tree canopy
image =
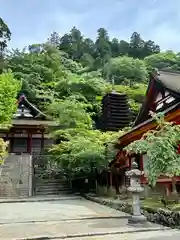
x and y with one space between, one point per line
5 36
161 147
9 88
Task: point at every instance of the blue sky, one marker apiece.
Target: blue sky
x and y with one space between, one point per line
32 21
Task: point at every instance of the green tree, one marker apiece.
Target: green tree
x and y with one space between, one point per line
54 39
163 60
65 44
123 48
160 145
40 72
9 88
136 46
115 47
70 113
76 44
150 48
83 149
126 70
103 48
5 36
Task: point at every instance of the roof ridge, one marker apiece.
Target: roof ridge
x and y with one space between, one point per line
169 71
39 112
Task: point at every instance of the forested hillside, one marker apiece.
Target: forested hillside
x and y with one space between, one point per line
68 75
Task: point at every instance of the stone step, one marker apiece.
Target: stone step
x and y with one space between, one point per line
39 180
51 188
51 193
50 185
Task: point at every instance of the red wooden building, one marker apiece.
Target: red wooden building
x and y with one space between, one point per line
163 95
28 133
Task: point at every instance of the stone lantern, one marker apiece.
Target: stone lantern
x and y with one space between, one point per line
135 188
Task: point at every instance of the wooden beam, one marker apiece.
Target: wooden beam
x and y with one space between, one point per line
29 143
42 140
137 133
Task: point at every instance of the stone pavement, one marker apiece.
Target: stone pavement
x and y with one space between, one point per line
72 218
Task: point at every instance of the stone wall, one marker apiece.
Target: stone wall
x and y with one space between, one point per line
160 216
15 176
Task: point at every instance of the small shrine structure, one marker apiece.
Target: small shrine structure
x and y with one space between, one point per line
28 133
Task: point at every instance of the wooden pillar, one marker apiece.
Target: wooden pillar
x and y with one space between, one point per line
130 162
7 139
42 141
110 178
29 143
11 143
7 136
141 162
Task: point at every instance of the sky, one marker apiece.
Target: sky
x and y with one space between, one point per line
32 21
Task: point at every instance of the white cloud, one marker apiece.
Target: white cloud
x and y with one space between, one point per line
153 19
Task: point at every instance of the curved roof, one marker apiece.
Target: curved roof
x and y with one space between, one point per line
169 80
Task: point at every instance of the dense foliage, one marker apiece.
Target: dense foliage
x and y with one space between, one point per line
161 147
5 36
94 54
9 88
68 75
83 149
126 70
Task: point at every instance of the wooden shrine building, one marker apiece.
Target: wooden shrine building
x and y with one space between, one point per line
163 95
28 133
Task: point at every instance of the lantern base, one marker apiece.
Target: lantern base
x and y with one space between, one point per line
137 219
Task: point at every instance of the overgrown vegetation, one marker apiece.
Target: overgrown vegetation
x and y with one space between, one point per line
9 88
67 77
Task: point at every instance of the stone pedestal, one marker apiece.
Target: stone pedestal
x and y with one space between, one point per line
136 190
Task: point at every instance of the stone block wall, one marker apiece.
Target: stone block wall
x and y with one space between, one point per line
14 177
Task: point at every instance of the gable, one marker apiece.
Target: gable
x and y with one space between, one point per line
161 94
164 100
27 110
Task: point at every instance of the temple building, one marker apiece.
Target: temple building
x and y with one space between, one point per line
26 162
163 95
28 133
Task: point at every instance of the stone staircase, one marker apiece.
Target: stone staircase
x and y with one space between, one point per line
14 176
51 187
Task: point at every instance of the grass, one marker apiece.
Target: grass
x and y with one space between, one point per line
155 204
152 203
